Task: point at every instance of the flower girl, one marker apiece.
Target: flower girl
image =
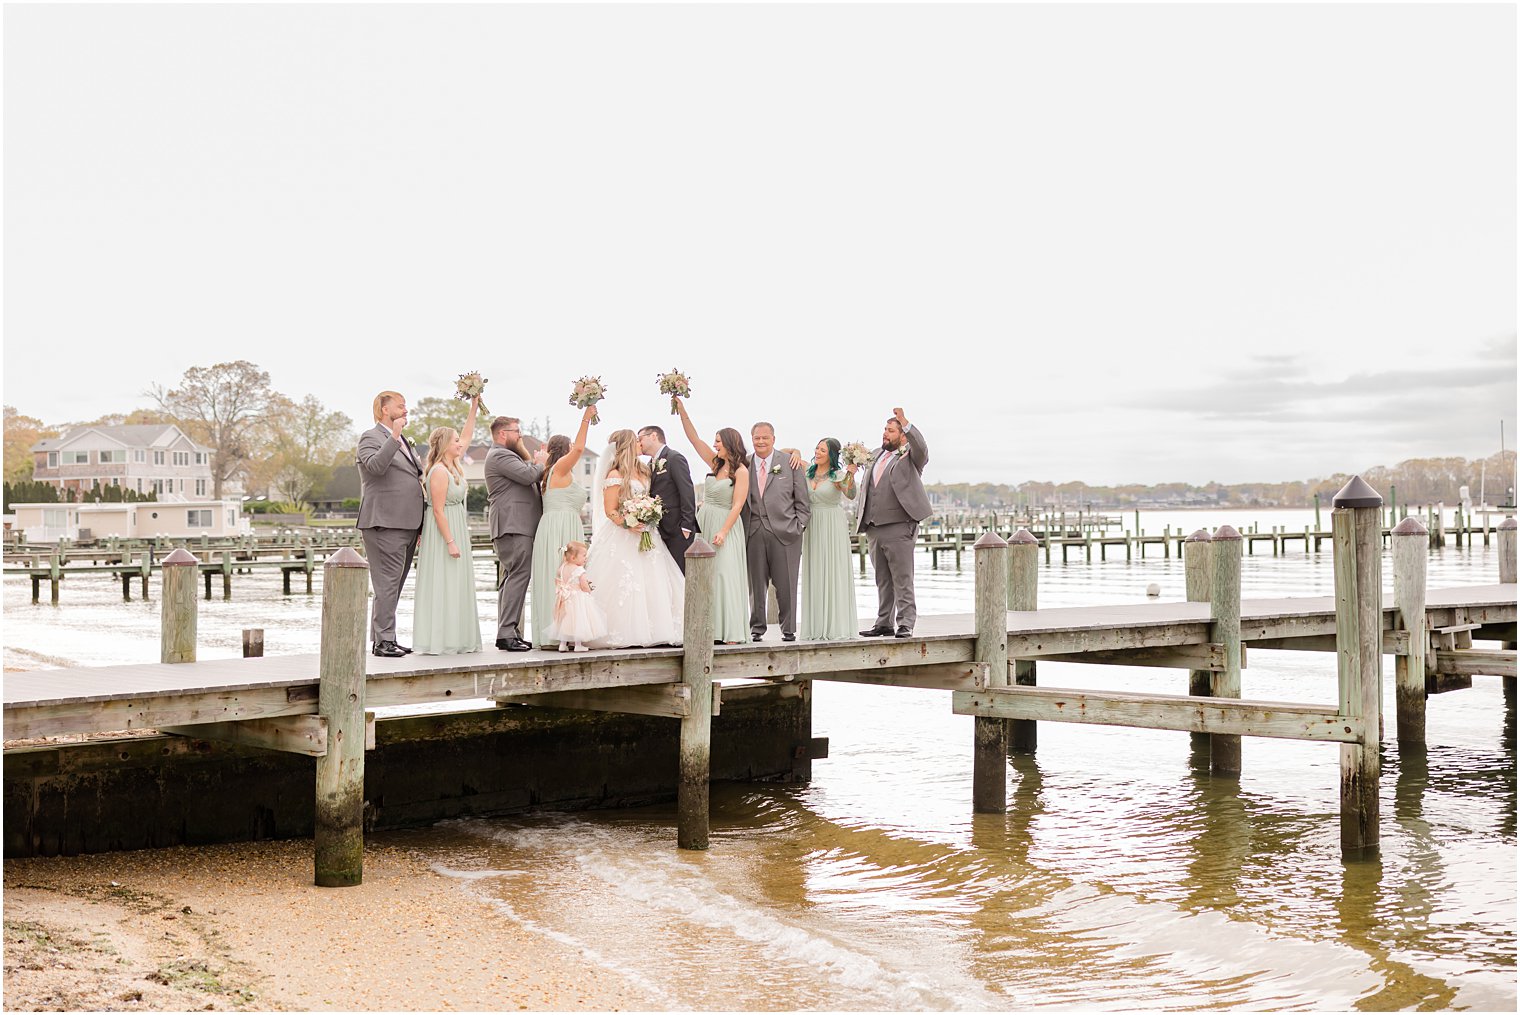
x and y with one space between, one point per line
577 617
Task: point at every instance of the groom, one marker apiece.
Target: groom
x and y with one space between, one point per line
670 480
893 503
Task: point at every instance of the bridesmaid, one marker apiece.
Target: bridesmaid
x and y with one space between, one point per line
828 594
558 526
445 620
724 494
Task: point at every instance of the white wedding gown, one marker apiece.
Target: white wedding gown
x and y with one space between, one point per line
642 592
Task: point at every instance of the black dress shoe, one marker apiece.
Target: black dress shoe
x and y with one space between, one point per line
504 643
757 637
788 637
876 632
904 632
518 645
388 650
404 649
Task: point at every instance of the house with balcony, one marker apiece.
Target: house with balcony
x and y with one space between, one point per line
157 458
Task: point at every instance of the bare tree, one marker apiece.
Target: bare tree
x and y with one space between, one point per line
222 406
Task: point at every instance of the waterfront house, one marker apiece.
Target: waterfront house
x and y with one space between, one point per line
48 523
156 458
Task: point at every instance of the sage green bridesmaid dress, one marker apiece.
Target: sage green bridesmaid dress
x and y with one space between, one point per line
731 575
828 594
445 620
559 524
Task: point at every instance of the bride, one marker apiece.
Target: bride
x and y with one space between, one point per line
642 592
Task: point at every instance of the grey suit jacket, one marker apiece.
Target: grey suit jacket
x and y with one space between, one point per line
900 496
390 482
785 509
512 487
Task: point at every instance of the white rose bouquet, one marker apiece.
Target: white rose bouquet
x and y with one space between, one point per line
673 384
588 391
471 385
856 453
647 511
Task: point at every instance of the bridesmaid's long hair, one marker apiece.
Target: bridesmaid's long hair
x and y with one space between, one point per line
625 459
734 453
438 443
833 446
559 447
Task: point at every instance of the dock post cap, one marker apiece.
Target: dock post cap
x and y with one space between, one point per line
347 557
1506 525
1357 494
1024 537
700 548
1226 533
1199 536
179 556
1410 527
989 541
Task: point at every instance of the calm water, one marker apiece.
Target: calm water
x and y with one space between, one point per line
1118 879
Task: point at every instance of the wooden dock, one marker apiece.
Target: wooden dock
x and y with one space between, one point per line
321 704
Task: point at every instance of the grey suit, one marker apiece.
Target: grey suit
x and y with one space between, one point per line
891 509
516 504
390 520
773 524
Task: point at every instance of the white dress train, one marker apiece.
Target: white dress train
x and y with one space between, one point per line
642 593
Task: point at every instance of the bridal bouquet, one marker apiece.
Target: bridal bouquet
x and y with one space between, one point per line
588 391
856 453
646 510
673 384
471 385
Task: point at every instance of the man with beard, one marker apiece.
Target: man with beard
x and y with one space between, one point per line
893 504
512 488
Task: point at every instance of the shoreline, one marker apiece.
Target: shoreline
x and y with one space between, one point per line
241 927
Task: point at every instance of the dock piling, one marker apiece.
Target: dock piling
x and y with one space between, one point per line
989 778
1507 577
179 610
253 642
1198 567
339 825
1359 656
1224 608
1411 549
1023 594
696 674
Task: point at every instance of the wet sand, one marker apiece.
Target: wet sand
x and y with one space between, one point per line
241 927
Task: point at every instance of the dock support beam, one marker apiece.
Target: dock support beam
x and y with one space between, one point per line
696 674
339 822
1355 524
1224 606
1411 550
989 770
1198 566
1507 577
1023 594
178 610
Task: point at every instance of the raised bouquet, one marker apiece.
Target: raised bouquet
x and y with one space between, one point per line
673 384
648 511
471 385
856 453
588 391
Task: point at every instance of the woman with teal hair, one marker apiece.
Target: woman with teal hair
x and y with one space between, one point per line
828 594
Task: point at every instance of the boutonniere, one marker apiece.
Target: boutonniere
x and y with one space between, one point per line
659 467
902 452
775 470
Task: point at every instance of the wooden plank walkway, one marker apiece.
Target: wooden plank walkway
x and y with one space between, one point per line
104 699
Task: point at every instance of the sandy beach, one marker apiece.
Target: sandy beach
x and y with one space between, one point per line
241 927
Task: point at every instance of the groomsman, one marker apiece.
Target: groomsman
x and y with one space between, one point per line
390 515
893 504
516 504
777 512
670 481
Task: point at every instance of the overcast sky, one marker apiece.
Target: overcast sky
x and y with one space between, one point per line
1114 244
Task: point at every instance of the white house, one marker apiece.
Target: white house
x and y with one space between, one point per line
48 523
157 458
474 461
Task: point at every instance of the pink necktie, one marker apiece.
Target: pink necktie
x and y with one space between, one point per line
881 466
763 471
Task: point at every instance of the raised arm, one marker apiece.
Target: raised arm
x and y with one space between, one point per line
703 450
469 422
374 453
741 497
918 448
577 447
